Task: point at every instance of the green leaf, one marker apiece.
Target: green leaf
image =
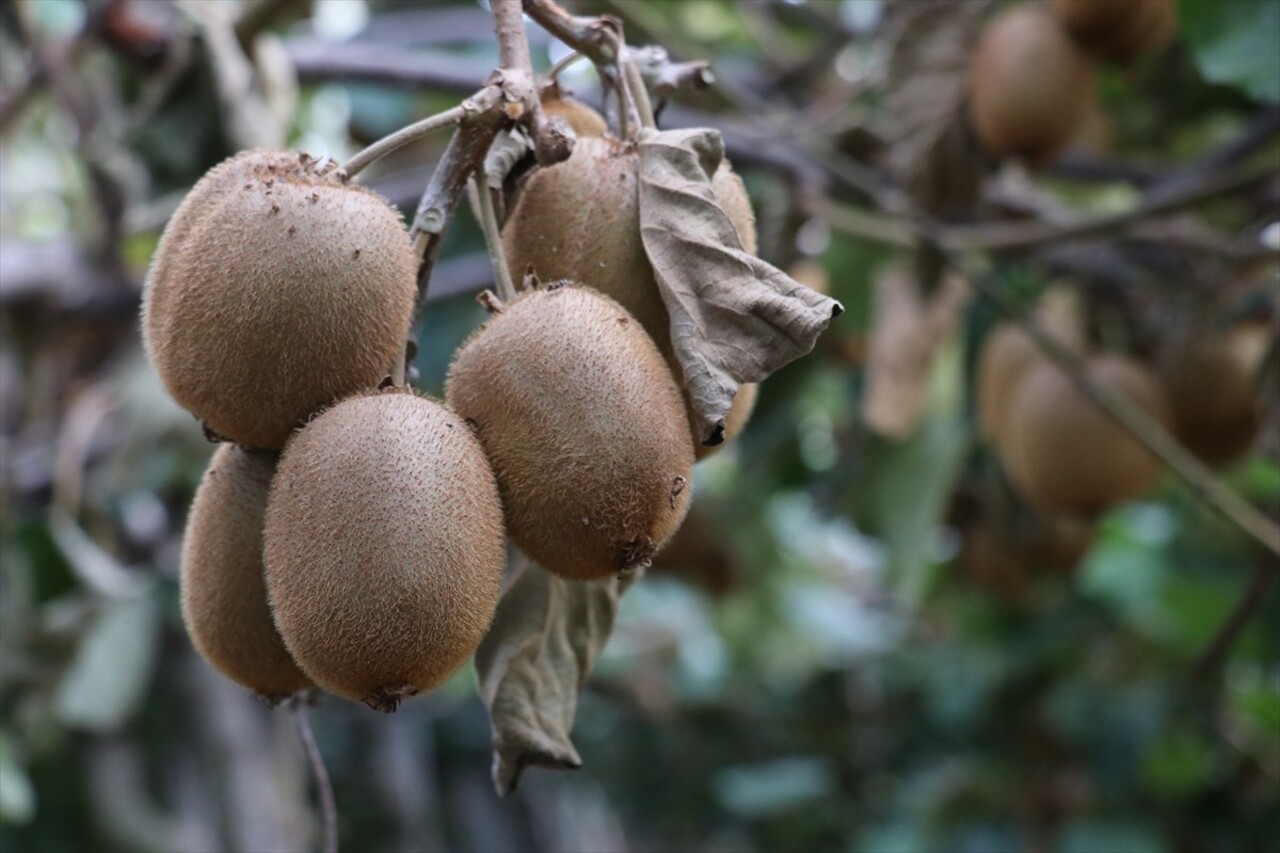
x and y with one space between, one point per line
908 483
1234 43
113 665
17 796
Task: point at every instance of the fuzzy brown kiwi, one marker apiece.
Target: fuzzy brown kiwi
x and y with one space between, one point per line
583 119
276 289
224 594
384 547
584 426
1007 353
1118 29
1063 453
1216 412
580 220
1030 86
1008 350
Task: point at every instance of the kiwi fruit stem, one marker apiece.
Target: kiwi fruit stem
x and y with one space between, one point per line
637 92
557 69
402 137
482 205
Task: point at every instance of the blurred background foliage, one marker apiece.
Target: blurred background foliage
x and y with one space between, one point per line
820 664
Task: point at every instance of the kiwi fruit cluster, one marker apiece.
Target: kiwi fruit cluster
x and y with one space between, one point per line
351 535
365 559
580 220
348 538
1032 75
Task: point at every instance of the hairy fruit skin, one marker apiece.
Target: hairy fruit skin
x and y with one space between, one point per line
384 547
585 429
1030 87
580 220
583 119
276 289
224 593
1063 453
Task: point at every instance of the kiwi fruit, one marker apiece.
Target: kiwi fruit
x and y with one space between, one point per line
1063 453
277 288
580 220
1118 29
1216 412
583 119
1030 86
384 546
584 426
224 594
1008 350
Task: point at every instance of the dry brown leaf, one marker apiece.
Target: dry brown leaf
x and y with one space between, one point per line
933 155
533 662
509 147
734 317
908 330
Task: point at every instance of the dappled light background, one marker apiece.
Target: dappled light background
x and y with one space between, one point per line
841 651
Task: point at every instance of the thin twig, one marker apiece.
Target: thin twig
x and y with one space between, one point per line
1023 235
639 94
564 62
1211 659
1016 236
465 153
482 205
400 138
319 774
595 38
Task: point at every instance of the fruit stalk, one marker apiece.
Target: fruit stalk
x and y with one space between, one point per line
482 205
638 94
400 138
324 787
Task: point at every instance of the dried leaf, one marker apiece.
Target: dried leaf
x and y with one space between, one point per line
734 318
908 330
933 153
509 147
544 640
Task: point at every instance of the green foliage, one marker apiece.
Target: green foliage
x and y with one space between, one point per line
1234 43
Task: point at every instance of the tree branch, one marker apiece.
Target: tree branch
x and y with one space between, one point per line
1215 653
1017 236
